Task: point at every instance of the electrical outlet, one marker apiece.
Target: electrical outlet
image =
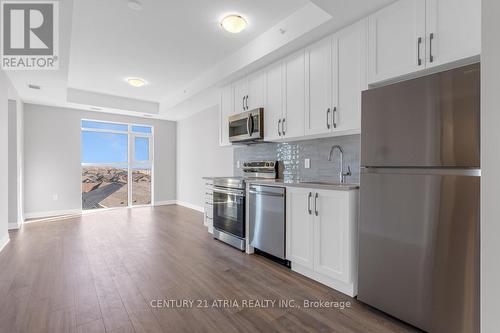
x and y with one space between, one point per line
307 163
55 197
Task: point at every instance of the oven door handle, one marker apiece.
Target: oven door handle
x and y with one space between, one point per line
237 193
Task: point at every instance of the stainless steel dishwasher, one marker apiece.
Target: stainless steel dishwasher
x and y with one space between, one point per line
267 219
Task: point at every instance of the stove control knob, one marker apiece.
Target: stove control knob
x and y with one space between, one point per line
267 164
272 164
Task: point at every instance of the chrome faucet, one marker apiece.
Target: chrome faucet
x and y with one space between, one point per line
342 174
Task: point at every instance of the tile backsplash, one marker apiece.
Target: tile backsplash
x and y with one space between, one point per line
293 154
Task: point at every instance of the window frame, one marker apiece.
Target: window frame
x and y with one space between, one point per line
131 163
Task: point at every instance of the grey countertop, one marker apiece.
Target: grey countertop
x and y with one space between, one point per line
315 185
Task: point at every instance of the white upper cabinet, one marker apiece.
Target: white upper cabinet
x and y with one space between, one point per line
284 105
295 89
318 87
240 95
249 93
273 106
453 30
397 40
412 35
226 109
255 93
349 62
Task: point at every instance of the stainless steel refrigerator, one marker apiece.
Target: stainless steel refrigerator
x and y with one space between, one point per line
419 209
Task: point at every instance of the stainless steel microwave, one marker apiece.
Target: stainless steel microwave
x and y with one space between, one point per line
247 126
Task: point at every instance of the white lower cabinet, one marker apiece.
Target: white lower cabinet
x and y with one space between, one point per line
322 236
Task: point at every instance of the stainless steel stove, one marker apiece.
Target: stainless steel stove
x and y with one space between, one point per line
229 201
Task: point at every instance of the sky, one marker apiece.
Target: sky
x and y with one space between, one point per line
99 147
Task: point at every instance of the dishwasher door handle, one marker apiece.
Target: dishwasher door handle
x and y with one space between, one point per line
271 194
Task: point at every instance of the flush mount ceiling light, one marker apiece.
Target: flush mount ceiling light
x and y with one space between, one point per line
233 23
134 4
136 82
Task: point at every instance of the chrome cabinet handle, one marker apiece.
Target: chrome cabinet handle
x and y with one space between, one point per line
246 102
279 124
243 103
419 42
431 38
316 204
309 203
283 126
328 118
333 117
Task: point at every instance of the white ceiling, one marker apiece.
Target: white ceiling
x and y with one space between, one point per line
177 46
168 42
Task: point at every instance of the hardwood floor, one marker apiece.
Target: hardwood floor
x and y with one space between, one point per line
99 273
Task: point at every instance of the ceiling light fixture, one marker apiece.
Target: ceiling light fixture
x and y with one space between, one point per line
233 23
136 82
134 4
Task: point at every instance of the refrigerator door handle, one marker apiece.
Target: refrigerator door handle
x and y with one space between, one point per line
422 171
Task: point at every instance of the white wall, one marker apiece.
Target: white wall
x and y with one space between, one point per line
490 168
13 200
199 155
52 157
4 159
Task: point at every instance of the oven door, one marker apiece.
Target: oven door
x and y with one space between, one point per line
246 126
229 211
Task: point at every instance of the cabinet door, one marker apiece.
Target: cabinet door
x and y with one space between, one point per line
226 109
295 90
300 226
330 234
255 91
273 108
397 40
453 30
318 87
240 92
349 63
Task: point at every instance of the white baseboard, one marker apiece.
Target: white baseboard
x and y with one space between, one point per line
165 203
350 289
191 206
53 213
14 225
4 241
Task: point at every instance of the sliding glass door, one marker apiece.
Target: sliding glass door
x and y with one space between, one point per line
117 165
142 165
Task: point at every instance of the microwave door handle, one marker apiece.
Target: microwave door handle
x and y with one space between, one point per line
248 125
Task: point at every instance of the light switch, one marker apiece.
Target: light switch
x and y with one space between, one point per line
55 197
307 163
